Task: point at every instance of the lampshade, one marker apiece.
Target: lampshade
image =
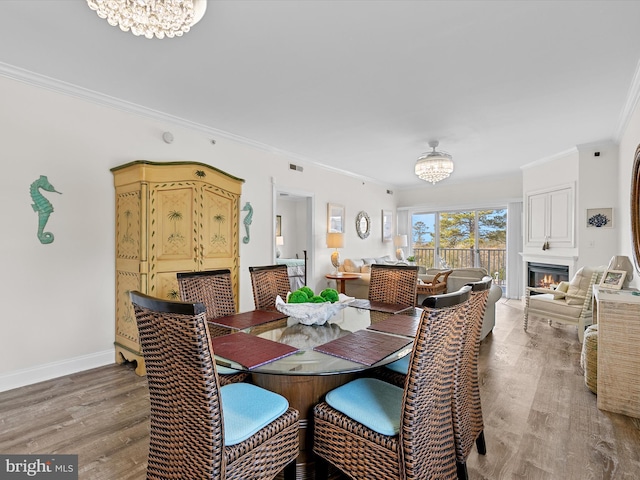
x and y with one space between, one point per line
159 18
279 240
400 241
622 262
434 166
335 240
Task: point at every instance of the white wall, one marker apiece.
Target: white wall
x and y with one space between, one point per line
595 180
58 299
480 192
628 143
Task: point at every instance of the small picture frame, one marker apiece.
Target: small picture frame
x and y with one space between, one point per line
599 217
387 225
278 225
613 279
335 218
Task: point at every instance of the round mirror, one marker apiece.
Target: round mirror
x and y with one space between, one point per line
363 225
635 208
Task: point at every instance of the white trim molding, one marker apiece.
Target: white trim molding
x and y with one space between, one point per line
40 373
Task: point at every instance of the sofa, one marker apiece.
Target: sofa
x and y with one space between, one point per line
359 288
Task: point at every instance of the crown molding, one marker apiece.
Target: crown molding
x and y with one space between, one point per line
72 90
633 96
550 158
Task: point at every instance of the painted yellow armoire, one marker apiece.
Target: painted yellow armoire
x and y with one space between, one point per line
170 217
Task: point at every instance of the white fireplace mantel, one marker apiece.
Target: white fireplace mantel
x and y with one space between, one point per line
569 261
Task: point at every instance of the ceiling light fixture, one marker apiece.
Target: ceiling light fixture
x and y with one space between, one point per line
159 18
434 166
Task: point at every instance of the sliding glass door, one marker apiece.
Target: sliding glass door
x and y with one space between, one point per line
459 239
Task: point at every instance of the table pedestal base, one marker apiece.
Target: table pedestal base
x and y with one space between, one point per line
303 392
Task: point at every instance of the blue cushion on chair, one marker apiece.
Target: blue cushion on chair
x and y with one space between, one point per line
372 402
246 409
222 370
400 366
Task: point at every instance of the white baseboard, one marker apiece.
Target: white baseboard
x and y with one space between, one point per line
40 373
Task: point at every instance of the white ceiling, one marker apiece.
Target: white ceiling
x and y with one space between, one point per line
360 86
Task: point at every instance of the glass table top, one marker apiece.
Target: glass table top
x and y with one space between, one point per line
308 361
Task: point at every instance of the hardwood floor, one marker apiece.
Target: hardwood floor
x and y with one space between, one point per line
541 421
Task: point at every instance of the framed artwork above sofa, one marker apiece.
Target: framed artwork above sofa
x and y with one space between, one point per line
387 225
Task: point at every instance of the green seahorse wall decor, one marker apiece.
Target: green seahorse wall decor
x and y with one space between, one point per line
42 206
247 221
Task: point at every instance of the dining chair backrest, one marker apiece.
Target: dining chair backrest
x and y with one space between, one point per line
186 423
211 287
466 408
267 283
395 284
426 423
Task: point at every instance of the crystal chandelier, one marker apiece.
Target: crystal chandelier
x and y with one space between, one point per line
159 18
434 166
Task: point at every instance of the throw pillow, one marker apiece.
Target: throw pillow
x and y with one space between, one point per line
369 261
562 287
579 285
365 269
352 266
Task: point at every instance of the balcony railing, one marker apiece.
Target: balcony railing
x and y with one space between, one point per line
492 259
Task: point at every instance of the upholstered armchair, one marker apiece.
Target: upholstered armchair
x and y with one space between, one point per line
570 303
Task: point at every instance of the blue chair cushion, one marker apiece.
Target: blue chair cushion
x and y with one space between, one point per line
400 366
246 409
222 370
371 402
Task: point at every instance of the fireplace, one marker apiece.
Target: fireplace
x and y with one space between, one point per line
546 275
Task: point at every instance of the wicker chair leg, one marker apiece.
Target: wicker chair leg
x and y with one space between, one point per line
322 468
480 444
462 470
290 470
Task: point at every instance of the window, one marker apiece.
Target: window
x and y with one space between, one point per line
458 239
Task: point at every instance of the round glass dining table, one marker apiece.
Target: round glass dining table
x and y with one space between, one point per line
305 376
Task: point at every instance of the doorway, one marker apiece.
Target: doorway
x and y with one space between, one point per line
293 229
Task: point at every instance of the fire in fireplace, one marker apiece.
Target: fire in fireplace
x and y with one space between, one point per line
547 275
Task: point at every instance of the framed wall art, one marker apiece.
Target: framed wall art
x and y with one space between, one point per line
387 225
278 225
335 218
599 217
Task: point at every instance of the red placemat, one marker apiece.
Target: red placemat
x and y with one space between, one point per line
240 321
364 346
399 324
378 306
248 350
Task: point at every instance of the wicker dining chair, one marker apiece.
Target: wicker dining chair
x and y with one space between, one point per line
200 430
267 283
395 284
370 429
214 289
468 426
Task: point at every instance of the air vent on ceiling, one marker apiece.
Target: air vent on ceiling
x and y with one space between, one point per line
295 167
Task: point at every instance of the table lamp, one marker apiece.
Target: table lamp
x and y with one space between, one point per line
335 240
279 243
400 241
622 262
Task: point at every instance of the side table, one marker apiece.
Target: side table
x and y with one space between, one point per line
618 315
341 279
